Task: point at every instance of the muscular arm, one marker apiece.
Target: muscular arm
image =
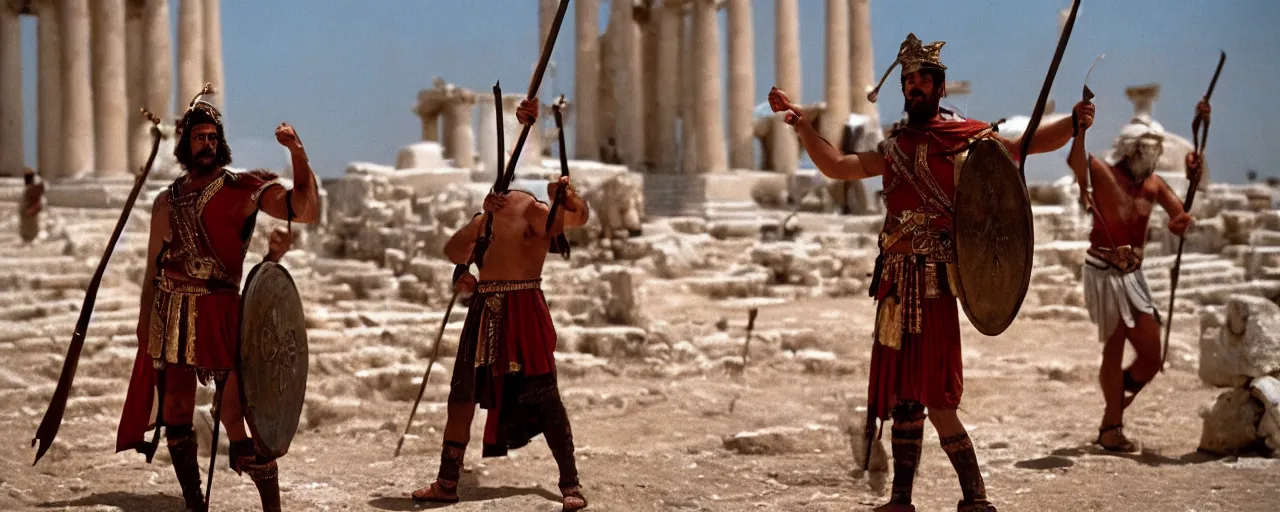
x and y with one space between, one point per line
565 218
832 163
1079 160
459 247
155 243
306 193
1048 137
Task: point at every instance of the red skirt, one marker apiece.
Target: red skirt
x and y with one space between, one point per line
508 340
926 369
205 344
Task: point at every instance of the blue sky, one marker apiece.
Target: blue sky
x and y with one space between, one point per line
346 72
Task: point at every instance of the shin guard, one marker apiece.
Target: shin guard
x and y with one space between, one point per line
907 433
965 461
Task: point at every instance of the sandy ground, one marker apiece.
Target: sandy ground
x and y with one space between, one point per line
650 438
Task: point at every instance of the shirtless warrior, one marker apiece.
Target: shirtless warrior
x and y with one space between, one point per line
1115 289
915 359
189 321
506 357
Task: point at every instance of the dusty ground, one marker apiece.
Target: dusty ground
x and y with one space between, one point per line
653 441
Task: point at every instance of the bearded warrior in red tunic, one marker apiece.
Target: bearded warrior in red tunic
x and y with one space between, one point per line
189 323
916 370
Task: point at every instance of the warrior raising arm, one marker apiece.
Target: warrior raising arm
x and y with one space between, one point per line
306 200
826 157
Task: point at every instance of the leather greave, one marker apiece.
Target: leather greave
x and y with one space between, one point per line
184 450
907 434
264 472
451 462
559 437
965 461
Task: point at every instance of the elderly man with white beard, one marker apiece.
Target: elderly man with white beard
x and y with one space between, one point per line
1124 193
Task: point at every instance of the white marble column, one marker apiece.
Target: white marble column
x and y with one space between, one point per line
710 119
110 89
135 83
742 85
49 90
157 60
212 32
11 150
785 147
669 91
689 100
628 83
458 126
837 72
862 72
190 52
787 51
77 93
649 62
586 79
431 128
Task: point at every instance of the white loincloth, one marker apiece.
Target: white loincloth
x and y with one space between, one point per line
1112 296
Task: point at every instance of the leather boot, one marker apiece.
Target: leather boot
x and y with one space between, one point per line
907 434
264 472
965 461
266 476
184 450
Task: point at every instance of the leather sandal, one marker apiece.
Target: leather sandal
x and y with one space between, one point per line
437 492
1124 446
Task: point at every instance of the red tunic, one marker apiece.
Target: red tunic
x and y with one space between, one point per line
195 320
926 367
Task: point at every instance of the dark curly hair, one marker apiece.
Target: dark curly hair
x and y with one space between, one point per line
202 113
939 76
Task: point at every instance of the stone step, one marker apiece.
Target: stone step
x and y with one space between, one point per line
1166 261
1196 279
42 264
1217 295
1190 269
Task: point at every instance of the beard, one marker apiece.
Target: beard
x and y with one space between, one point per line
203 162
1142 164
920 107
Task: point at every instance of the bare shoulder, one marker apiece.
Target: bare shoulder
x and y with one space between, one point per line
161 202
1156 185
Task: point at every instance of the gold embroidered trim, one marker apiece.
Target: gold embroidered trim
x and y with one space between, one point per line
507 286
173 323
491 324
191 247
915 278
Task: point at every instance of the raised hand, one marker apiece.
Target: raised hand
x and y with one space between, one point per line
288 137
494 203
1083 114
779 102
527 112
1203 110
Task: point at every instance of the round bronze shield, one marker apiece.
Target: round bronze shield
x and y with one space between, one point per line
272 358
994 237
